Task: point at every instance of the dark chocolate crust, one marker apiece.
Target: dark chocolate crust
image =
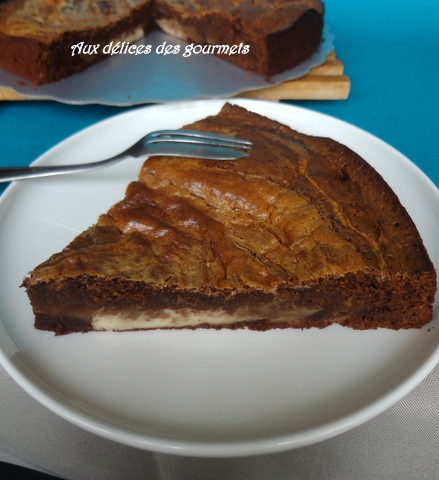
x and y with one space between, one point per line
36 36
303 224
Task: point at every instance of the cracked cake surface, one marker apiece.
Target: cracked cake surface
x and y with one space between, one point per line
301 233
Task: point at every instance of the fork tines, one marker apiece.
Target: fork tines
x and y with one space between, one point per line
200 138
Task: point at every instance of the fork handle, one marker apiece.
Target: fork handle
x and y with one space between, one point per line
9 174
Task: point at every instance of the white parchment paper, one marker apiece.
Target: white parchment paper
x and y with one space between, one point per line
129 79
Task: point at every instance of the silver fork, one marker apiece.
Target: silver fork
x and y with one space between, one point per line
180 143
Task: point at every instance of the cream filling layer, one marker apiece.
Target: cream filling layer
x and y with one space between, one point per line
175 29
169 318
132 36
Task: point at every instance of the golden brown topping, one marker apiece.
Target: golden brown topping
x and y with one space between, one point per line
299 208
40 17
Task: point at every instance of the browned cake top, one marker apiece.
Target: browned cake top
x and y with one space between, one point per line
46 18
297 209
263 15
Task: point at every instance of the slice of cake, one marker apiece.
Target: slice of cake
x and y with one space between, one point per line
280 34
37 36
301 233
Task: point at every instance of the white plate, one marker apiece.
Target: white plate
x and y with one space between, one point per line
203 393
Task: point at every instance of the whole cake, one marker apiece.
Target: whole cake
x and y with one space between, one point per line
36 36
301 233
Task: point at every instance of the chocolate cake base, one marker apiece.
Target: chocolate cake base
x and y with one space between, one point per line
355 301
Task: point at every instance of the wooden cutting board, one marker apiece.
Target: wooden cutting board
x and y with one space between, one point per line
325 82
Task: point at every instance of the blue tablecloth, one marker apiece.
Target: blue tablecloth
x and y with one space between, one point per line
391 53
